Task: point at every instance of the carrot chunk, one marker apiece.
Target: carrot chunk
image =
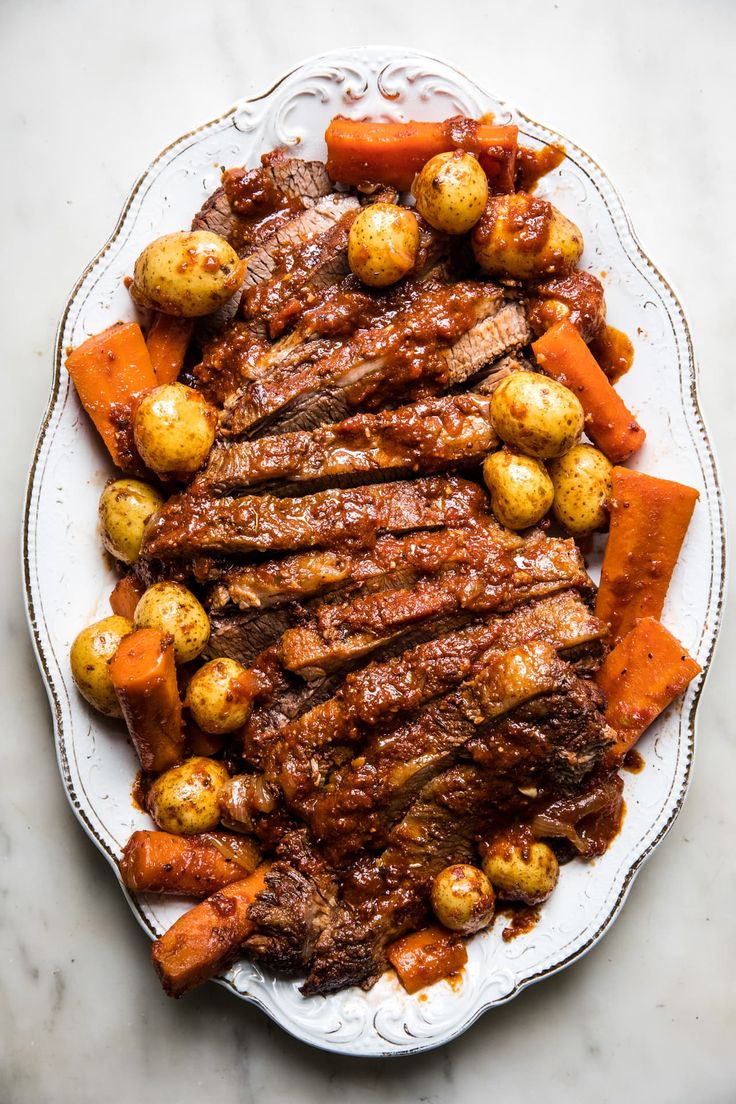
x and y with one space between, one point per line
125 596
187 866
204 940
643 674
361 152
143 673
563 354
167 341
427 956
110 371
649 519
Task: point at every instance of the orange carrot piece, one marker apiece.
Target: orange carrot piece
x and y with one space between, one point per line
109 371
640 677
208 937
167 341
563 354
427 956
649 519
143 673
360 151
186 866
126 595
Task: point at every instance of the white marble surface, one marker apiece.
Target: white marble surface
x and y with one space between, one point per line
89 94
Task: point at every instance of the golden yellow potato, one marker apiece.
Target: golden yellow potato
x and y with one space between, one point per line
521 868
582 482
174 428
171 608
521 489
90 658
184 800
189 273
451 191
125 507
536 414
383 243
462 898
220 696
525 237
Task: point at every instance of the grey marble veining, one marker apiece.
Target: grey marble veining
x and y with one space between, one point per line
89 94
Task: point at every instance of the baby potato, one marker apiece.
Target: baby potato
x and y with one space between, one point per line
577 297
462 898
174 429
536 414
125 507
521 868
451 191
184 800
190 273
525 237
582 482
90 658
172 609
383 243
521 490
220 696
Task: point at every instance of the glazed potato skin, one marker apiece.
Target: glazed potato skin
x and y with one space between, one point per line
536 414
520 486
172 609
90 658
577 297
184 800
383 243
188 274
220 696
174 429
521 868
451 192
125 507
582 483
525 237
462 898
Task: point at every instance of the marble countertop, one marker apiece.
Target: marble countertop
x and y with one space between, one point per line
89 94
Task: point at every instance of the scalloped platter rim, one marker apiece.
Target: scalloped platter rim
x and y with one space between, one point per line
67 581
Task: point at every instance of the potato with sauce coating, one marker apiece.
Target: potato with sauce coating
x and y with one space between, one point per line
451 191
383 243
521 868
187 274
174 610
184 799
520 486
220 696
125 507
536 414
525 237
90 658
174 429
462 898
582 482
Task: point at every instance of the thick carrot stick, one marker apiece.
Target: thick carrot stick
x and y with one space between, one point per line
640 677
427 956
125 596
363 152
186 866
143 673
167 341
563 354
208 937
109 371
649 519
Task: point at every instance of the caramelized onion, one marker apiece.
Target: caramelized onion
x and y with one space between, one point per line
589 820
237 849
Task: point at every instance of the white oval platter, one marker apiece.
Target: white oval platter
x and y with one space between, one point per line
68 582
